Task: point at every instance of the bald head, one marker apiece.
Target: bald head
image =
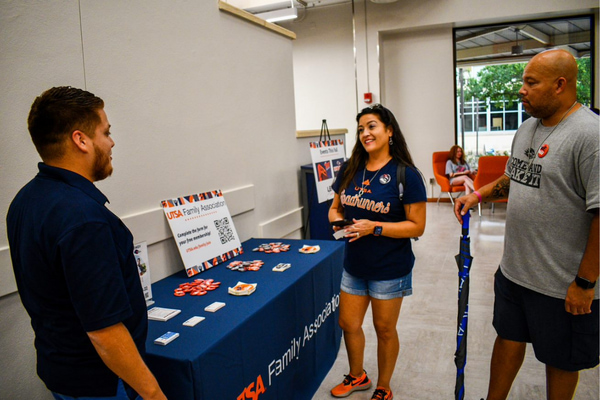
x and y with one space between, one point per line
549 85
555 64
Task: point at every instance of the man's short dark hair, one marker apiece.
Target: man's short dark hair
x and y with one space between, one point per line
59 111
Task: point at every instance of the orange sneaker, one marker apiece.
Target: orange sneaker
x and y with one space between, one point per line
351 384
382 393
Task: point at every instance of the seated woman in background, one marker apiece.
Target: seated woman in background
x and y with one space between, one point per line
458 170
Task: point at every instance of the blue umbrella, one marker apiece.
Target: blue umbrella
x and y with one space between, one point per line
463 260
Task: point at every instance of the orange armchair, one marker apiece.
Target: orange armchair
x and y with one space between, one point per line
439 171
490 168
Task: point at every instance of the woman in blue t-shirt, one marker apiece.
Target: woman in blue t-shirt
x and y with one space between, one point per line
385 211
458 170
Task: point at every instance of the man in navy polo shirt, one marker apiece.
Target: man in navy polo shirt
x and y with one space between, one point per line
73 258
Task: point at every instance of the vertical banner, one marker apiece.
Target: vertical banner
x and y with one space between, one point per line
140 252
327 157
203 230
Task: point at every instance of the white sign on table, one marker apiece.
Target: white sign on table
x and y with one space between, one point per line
327 157
203 230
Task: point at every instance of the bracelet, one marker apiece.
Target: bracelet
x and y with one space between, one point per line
478 195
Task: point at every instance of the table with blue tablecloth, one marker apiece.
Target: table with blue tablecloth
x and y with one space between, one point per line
277 343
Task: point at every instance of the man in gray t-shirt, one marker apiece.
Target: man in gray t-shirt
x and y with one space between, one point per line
551 202
545 287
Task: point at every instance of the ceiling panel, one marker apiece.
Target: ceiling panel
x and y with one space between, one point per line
477 45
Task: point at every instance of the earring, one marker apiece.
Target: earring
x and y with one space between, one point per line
391 141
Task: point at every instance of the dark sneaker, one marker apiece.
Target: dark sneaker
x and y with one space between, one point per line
382 393
351 384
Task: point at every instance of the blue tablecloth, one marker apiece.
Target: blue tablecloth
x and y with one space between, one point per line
283 338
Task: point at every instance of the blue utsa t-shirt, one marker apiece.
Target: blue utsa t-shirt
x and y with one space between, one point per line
379 257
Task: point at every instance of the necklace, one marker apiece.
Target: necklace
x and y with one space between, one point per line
547 136
362 185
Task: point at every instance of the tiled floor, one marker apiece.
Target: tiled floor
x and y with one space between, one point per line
427 327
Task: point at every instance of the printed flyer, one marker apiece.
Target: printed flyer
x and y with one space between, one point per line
203 230
140 252
328 157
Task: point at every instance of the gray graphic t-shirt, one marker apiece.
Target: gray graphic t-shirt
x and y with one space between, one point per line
554 185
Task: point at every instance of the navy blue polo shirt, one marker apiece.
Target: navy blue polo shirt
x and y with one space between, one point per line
76 273
379 257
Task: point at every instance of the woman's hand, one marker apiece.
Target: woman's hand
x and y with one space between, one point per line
336 212
337 228
413 226
460 173
360 228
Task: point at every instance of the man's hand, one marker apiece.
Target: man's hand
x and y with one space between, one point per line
463 204
118 351
497 190
579 300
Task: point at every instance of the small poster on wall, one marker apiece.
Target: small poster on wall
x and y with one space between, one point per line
140 252
327 157
203 230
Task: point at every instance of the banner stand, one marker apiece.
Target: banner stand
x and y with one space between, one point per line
327 159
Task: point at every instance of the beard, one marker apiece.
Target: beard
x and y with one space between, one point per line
102 165
544 110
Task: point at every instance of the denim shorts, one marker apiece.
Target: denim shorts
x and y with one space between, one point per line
381 290
559 339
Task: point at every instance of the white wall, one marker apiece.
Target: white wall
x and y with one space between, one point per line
424 118
409 37
324 70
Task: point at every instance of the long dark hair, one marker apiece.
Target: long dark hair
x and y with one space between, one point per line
452 155
398 150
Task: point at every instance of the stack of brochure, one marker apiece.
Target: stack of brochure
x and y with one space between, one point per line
281 267
243 289
162 314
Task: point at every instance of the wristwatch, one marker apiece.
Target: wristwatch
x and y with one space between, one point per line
378 230
584 283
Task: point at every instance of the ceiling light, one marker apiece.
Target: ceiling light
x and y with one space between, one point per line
279 15
383 1
516 49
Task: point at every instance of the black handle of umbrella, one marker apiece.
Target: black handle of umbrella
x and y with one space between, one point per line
465 223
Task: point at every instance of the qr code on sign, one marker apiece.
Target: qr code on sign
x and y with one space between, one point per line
224 230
